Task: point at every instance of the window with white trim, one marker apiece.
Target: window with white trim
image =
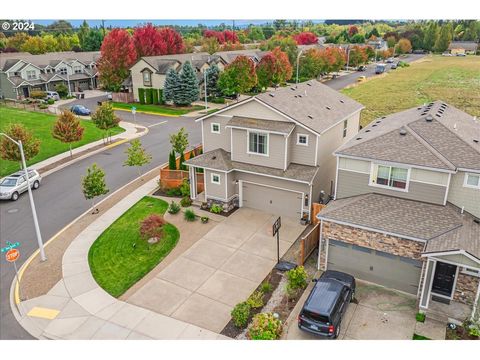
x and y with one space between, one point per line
258 143
215 128
390 177
147 80
345 127
77 69
31 75
302 139
62 71
470 271
215 178
472 181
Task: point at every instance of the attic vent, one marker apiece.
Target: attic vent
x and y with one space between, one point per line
358 138
383 117
300 95
272 95
309 84
378 121
342 101
445 105
310 116
438 115
429 118
214 157
295 96
403 132
292 88
475 141
367 130
374 125
419 108
424 113
328 107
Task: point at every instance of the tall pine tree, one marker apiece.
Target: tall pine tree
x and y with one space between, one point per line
212 78
171 85
187 91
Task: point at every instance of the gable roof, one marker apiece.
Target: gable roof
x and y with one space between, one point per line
229 56
42 60
466 45
162 63
436 135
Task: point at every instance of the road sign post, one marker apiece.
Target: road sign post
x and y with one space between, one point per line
134 112
11 255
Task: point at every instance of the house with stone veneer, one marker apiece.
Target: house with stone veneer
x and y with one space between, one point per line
407 208
274 151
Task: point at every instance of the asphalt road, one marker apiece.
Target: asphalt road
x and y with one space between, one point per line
59 200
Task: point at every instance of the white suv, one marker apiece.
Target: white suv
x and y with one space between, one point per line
13 185
52 95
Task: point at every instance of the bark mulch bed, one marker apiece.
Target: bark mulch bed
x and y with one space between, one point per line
460 333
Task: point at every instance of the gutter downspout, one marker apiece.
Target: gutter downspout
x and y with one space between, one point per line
320 240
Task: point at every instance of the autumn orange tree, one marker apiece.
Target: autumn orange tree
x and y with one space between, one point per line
274 69
10 151
404 46
67 129
357 56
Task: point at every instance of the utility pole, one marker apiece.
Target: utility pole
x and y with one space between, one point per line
205 82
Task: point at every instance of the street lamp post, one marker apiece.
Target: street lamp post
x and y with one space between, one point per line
348 58
68 82
298 65
32 204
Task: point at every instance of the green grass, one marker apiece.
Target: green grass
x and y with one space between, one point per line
455 80
158 109
41 124
119 257
420 337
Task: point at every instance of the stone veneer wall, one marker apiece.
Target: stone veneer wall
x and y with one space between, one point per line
466 289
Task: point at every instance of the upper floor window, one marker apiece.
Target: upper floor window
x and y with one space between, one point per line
472 181
258 143
77 69
215 178
390 176
215 128
62 71
147 78
302 139
345 127
31 74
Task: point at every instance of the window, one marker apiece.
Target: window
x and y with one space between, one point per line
470 271
302 139
215 179
345 127
147 81
258 143
472 181
31 75
389 176
77 69
62 71
215 128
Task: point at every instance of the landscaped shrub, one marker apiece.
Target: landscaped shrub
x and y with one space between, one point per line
172 161
185 188
160 97
266 287
43 106
152 227
255 300
155 96
181 165
38 94
148 96
297 279
186 201
190 215
62 90
265 326
174 207
240 314
216 209
50 101
204 219
420 317
141 95
218 100
174 192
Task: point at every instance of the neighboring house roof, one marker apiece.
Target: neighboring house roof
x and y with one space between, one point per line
466 45
443 227
49 58
229 56
220 159
162 63
284 127
436 135
312 104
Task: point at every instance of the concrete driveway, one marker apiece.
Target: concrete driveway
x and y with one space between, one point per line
381 314
221 269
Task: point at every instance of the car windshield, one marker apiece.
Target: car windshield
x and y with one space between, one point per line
8 182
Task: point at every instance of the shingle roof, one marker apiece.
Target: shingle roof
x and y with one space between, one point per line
230 56
467 45
220 159
54 57
436 135
443 227
311 103
283 127
162 63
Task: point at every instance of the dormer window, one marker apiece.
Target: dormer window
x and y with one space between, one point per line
77 69
31 75
147 77
62 71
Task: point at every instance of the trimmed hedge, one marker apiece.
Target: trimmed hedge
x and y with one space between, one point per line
155 96
148 96
141 95
160 97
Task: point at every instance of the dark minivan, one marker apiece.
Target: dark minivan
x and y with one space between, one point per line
327 303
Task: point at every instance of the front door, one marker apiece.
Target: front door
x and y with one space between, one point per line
444 279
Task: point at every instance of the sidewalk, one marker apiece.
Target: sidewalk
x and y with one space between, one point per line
77 308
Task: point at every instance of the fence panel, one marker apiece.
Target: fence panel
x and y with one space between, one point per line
308 243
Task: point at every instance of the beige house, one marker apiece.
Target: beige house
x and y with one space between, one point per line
463 47
407 208
273 151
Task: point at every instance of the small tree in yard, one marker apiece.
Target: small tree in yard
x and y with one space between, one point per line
67 129
10 151
93 184
172 82
137 156
172 160
104 118
179 141
187 90
152 227
62 90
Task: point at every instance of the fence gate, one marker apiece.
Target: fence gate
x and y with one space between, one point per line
308 243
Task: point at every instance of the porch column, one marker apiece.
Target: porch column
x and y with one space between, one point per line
427 284
193 182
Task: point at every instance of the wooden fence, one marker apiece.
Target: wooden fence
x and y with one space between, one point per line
316 208
123 97
173 178
308 243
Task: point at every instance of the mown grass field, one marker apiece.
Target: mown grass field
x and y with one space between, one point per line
41 124
455 80
120 257
157 109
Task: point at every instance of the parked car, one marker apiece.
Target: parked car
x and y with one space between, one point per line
461 54
52 95
393 66
109 95
323 311
80 110
361 78
12 186
390 60
380 68
362 68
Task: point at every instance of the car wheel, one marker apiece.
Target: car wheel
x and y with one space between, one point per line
14 196
36 185
337 332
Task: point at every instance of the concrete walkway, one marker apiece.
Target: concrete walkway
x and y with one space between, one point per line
77 308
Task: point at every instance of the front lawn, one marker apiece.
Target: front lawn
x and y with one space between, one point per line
120 257
158 109
41 124
452 79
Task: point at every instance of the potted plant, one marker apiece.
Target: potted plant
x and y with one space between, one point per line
204 219
204 206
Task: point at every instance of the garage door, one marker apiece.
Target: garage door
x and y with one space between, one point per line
375 266
271 200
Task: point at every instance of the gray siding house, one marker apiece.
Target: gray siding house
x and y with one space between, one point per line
407 208
273 151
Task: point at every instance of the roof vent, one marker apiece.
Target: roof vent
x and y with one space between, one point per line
403 132
378 121
214 157
292 88
367 130
475 141
419 108
429 118
423 113
272 95
445 105
438 115
358 138
374 125
383 117
309 84
328 107
342 101
310 116
455 126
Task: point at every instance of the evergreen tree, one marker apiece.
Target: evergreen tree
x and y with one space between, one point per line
444 38
82 33
187 91
171 84
181 164
172 161
430 36
212 78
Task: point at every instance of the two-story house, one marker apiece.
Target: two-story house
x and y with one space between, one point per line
273 151
22 73
407 208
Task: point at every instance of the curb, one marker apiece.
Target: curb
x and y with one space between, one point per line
148 112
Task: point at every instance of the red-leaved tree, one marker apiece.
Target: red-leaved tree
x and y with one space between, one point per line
222 36
173 41
238 77
336 58
117 56
148 41
352 30
230 36
274 69
306 38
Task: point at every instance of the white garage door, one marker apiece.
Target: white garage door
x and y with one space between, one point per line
271 200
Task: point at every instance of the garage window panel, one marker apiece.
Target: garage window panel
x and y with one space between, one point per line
362 249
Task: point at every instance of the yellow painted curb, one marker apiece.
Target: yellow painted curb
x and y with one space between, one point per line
147 112
43 313
119 142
